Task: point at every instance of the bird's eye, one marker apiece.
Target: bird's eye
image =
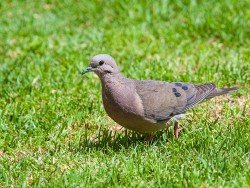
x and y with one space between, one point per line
101 62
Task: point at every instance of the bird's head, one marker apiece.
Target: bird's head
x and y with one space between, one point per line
102 64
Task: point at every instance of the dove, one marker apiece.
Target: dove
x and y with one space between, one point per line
147 106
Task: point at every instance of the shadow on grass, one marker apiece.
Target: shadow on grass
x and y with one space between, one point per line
109 140
115 140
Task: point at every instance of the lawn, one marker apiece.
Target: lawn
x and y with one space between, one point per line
54 131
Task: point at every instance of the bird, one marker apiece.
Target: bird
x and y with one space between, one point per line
147 106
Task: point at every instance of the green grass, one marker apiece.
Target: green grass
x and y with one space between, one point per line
53 128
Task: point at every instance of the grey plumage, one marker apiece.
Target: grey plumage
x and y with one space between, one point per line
147 105
221 91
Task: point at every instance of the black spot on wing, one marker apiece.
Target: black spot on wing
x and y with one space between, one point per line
174 90
184 87
177 94
178 84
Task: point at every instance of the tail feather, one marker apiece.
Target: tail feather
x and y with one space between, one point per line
221 91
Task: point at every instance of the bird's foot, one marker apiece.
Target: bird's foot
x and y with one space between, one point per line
176 129
149 138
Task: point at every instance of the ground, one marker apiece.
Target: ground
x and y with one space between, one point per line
54 131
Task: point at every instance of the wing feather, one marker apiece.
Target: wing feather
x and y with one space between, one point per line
163 100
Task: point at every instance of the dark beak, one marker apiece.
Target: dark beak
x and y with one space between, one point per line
89 69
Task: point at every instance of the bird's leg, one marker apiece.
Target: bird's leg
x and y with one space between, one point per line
176 129
149 138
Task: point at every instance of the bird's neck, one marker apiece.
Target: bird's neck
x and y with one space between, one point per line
111 78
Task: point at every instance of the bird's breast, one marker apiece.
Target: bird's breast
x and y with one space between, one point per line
124 106
120 99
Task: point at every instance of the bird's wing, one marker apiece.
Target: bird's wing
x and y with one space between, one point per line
163 100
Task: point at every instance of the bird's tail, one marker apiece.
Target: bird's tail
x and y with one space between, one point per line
221 91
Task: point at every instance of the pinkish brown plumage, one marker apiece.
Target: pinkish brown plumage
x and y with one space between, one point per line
147 105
